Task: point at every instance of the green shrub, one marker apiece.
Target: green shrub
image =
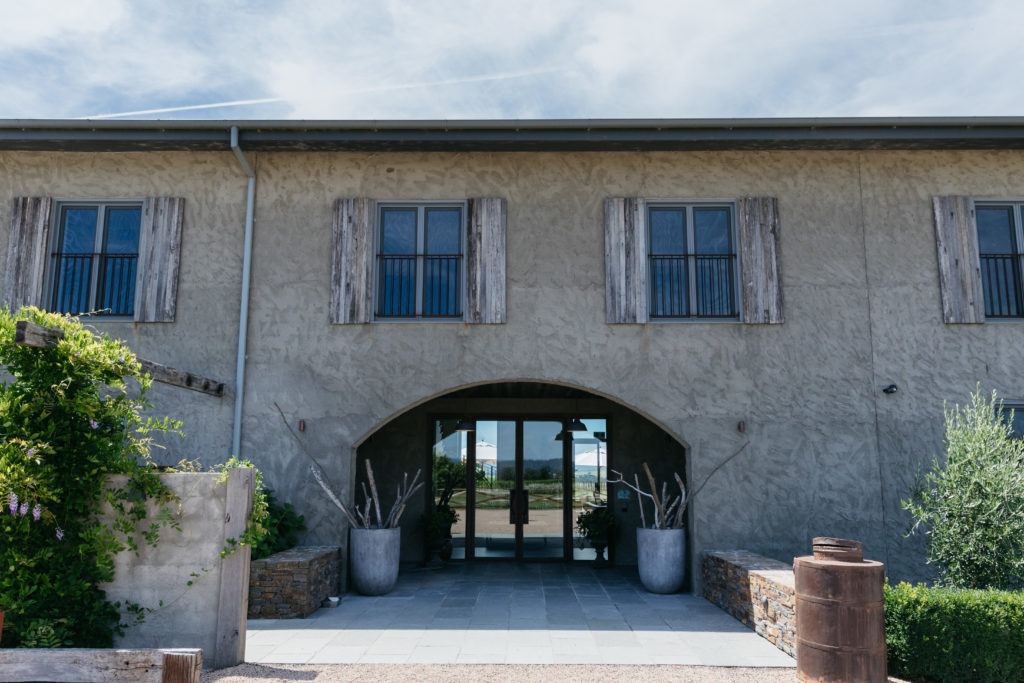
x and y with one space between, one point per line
945 634
972 505
68 421
282 528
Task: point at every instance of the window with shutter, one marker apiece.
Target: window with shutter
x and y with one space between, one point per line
692 260
424 260
106 258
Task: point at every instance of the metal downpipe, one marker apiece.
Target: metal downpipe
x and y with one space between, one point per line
243 315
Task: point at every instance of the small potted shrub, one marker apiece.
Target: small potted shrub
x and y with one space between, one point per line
437 531
597 526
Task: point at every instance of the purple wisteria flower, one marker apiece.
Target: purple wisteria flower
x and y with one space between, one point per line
37 512
12 499
30 452
94 424
60 534
23 510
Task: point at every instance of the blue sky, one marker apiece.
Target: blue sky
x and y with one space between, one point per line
510 59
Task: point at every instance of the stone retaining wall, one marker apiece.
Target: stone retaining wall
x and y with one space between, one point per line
759 591
293 583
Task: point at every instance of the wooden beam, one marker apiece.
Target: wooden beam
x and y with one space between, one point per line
233 607
29 334
74 665
180 378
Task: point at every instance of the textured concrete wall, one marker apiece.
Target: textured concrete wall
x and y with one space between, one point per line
203 338
829 454
188 617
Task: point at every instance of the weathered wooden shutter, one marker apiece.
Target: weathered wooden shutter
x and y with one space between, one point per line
352 262
485 260
625 260
26 251
956 240
760 272
156 272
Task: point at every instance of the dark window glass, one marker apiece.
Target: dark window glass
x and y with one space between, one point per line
123 231
692 268
995 229
398 231
420 262
668 231
95 271
1017 421
712 231
1000 267
443 228
79 231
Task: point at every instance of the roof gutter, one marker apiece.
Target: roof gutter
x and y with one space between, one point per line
243 315
519 135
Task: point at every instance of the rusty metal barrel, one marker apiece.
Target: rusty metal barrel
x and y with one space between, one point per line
840 618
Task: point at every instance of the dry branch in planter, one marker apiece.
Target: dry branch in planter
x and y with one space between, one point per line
668 512
356 517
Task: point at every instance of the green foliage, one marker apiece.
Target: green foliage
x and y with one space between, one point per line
945 634
597 525
283 526
437 524
972 506
255 528
68 421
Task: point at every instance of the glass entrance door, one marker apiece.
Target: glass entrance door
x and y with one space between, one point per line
520 484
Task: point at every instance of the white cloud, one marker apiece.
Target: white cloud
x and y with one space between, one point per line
513 59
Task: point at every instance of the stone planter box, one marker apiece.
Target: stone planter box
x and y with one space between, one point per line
759 591
292 584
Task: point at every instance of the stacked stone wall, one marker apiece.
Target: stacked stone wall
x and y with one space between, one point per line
293 583
759 591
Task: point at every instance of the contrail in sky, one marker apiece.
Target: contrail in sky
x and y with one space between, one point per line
356 91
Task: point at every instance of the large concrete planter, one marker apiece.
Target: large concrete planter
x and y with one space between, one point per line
661 559
374 554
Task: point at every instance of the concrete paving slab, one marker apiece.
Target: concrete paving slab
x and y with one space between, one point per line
515 614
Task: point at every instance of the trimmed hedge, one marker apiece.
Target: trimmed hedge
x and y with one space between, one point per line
944 634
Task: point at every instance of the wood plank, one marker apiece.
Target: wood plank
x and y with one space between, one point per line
27 249
485 260
180 378
760 257
352 261
27 333
156 273
38 337
232 608
956 243
625 243
75 665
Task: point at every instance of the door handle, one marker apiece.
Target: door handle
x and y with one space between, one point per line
519 506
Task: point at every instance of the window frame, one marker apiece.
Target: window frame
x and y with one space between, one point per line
99 246
688 206
421 207
1016 207
1018 410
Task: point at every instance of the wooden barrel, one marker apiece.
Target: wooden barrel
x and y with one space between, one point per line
840 619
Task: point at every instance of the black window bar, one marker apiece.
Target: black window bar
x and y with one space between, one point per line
397 280
73 282
1000 280
714 276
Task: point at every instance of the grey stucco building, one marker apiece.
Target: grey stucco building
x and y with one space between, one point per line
681 287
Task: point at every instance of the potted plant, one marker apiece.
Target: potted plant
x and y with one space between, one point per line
437 531
375 541
661 547
597 525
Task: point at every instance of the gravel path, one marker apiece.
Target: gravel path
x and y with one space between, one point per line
526 673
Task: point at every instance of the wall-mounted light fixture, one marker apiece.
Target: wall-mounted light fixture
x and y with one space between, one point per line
891 389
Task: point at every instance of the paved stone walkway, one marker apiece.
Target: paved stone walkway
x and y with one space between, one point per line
483 613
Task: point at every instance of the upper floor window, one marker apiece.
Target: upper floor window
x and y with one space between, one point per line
93 257
419 260
1000 240
691 261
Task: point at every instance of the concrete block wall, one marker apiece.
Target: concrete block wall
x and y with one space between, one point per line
759 591
210 614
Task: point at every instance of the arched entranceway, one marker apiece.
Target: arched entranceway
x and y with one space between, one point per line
537 455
